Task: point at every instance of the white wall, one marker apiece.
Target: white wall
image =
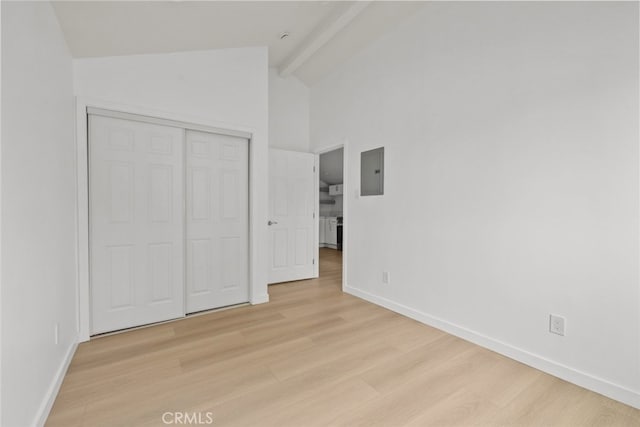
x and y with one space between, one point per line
511 142
38 217
0 218
288 113
228 88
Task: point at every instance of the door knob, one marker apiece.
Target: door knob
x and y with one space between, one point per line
272 222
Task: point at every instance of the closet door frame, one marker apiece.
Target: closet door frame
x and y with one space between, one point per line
257 278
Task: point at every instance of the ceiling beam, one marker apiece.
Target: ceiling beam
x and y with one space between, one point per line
325 32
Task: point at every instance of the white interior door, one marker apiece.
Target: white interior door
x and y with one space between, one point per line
136 223
291 215
217 228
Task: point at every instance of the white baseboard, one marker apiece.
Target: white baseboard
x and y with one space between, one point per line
52 392
260 299
582 379
328 245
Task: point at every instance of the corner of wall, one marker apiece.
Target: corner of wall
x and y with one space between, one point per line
288 113
56 383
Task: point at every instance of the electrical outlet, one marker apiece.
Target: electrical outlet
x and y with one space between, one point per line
386 278
55 333
556 324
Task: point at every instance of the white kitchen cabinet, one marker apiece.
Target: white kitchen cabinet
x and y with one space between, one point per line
335 190
331 231
323 227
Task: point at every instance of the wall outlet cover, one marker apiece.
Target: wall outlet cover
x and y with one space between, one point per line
556 324
386 278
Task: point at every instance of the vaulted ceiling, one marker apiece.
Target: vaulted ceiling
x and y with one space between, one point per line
321 34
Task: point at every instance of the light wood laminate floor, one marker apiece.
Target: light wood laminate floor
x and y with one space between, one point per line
314 356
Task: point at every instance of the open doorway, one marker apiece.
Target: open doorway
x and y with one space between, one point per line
331 215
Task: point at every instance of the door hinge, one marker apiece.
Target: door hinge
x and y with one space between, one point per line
314 168
314 215
314 261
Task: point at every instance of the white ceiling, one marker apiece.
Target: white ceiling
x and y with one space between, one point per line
378 18
111 28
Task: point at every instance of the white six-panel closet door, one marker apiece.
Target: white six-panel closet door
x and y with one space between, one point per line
136 223
217 220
